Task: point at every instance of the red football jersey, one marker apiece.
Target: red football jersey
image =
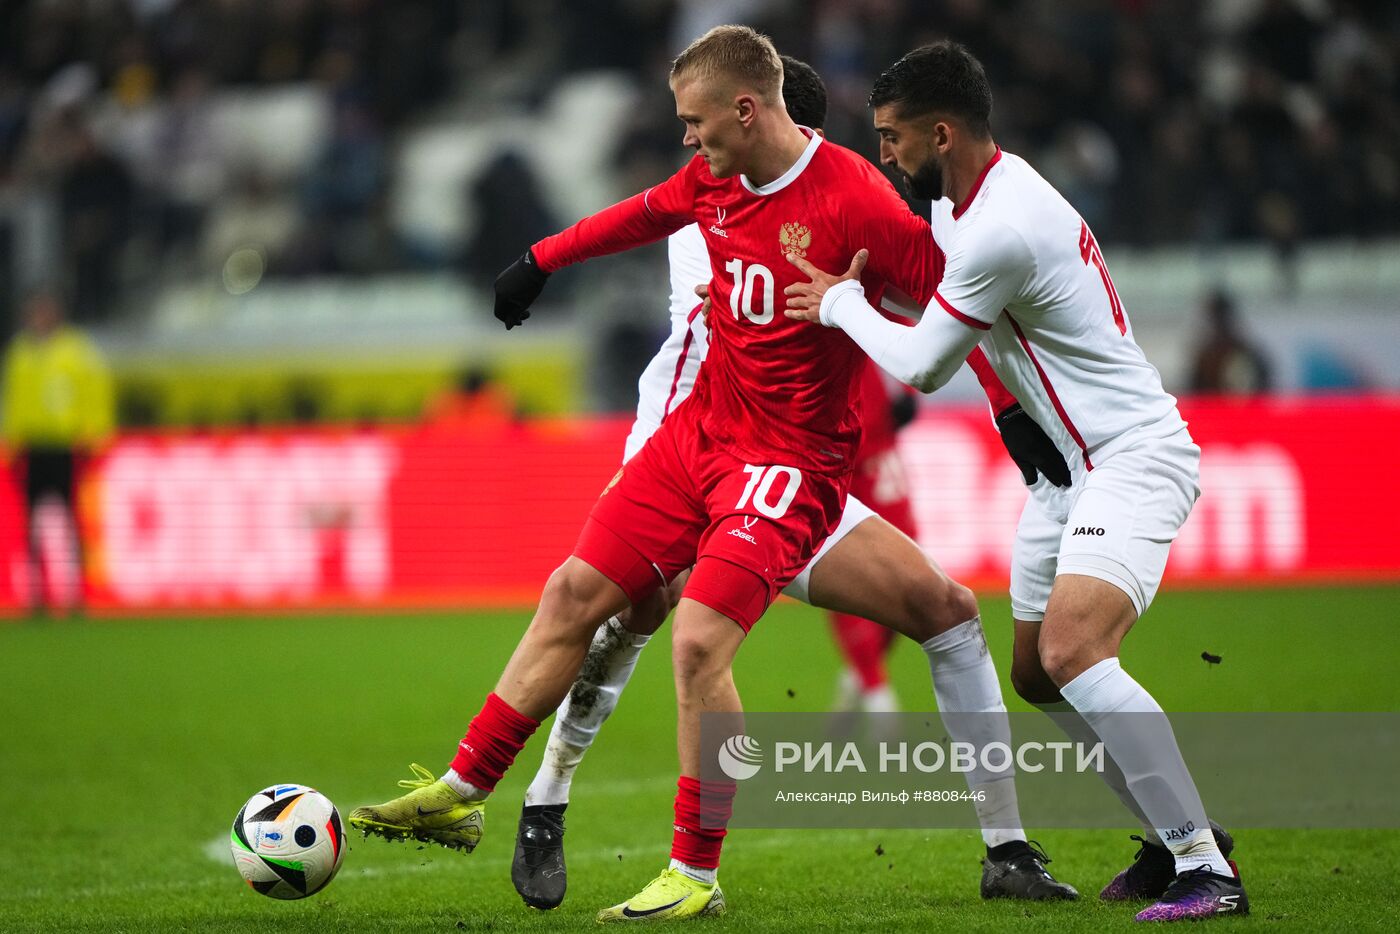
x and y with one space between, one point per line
877 420
775 390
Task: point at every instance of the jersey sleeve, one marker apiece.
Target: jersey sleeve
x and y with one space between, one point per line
913 264
998 395
985 270
902 249
670 376
689 260
667 380
925 356
641 219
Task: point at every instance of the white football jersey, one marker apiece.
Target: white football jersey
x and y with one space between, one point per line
1025 268
670 375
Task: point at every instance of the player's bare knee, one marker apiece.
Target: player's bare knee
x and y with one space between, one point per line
574 597
693 658
1032 684
927 603
1063 660
562 592
960 604
941 604
689 656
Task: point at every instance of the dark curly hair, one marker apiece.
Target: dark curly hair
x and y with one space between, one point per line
804 93
940 78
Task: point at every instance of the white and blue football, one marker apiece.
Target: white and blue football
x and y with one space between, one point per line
288 841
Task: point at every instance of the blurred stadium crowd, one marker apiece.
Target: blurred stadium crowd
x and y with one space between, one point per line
125 133
147 140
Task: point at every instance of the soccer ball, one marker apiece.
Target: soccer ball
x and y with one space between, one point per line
287 841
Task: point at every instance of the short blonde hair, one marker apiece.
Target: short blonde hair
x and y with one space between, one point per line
734 51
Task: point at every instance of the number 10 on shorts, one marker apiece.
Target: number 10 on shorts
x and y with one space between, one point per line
760 488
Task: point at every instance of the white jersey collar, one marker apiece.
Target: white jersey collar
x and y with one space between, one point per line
790 176
960 209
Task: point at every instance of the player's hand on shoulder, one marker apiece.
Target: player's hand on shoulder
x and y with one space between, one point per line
517 287
1030 447
804 299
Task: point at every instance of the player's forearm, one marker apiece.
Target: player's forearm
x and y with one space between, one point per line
622 226
924 356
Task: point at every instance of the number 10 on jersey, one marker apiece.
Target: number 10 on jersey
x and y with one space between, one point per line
757 277
760 487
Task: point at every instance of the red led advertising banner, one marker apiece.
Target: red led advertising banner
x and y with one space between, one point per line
438 516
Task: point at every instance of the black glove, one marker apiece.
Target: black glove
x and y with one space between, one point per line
1030 447
903 408
517 288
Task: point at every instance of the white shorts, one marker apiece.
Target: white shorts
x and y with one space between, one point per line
1116 525
855 513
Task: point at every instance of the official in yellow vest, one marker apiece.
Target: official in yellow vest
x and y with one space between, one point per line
57 406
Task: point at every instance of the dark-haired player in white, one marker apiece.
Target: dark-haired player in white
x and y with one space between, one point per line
1026 281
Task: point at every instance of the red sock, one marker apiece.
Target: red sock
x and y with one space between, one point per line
702 811
493 738
864 645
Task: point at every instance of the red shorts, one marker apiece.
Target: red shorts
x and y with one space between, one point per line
683 500
881 483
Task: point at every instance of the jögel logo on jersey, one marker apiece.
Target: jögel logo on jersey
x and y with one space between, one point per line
715 228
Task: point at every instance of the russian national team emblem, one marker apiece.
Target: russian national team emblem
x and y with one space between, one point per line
794 238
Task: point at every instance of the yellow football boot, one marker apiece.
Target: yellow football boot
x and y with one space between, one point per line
432 812
671 896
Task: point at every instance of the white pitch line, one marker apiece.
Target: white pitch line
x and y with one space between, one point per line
217 850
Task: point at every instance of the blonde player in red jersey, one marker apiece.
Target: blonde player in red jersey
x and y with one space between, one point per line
744 480
1026 280
840 577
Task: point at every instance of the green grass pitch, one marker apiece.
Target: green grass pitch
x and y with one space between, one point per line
127 747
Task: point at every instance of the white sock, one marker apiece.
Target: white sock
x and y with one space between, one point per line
998 811
463 787
707 876
965 681
1139 737
605 672
879 700
1077 729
